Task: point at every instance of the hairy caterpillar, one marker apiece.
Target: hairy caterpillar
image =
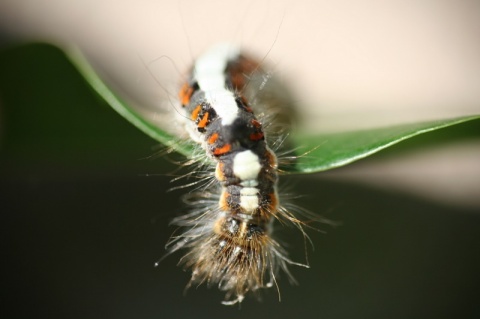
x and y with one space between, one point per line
228 234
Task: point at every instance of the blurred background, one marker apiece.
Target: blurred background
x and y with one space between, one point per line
85 208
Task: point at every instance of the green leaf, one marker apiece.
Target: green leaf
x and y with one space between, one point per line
321 152
327 151
122 107
334 150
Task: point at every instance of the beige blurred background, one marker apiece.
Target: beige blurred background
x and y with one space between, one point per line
352 65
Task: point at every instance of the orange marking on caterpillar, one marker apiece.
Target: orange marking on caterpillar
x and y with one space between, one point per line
219 175
203 122
271 159
256 136
256 123
222 150
195 112
213 138
185 94
223 202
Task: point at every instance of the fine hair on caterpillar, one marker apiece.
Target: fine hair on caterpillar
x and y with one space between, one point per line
239 117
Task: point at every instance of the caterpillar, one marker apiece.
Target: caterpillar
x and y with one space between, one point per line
228 233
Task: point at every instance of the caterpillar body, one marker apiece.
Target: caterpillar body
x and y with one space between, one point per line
228 235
